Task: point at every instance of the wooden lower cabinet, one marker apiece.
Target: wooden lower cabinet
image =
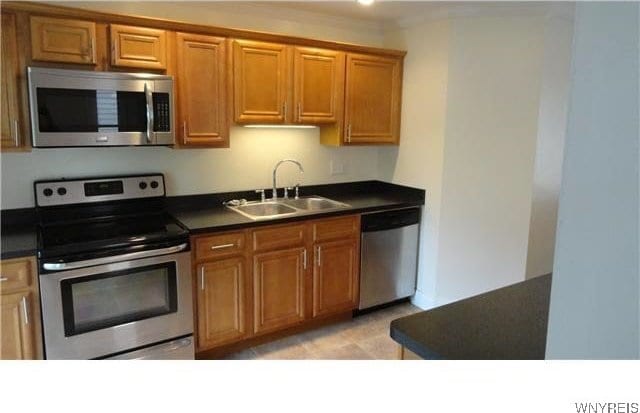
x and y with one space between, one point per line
20 332
300 274
278 289
221 302
335 276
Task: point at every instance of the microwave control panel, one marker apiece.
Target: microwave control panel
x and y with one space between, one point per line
161 112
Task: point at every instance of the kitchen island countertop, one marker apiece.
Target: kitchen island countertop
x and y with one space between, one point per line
509 323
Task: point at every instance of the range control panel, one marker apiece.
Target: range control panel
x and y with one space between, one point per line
81 191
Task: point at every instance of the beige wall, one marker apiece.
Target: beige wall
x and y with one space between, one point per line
246 165
245 16
253 153
419 160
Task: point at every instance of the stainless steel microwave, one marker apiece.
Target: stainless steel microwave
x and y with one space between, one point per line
84 108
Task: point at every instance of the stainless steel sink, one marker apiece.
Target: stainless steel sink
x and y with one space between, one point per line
314 203
264 210
258 210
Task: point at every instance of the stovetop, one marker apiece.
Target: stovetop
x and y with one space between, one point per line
101 235
95 217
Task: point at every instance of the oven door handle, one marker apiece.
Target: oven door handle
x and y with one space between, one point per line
149 100
59 266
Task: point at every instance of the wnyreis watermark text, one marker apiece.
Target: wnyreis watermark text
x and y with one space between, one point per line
607 407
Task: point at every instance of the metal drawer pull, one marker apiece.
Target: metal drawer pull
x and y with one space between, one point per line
3 279
319 257
24 310
304 257
58 266
202 278
219 247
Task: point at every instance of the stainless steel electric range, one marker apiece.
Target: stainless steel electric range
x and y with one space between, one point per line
114 269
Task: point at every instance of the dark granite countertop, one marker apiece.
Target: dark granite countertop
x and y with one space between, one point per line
205 213
505 324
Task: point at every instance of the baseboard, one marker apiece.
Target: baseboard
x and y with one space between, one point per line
422 300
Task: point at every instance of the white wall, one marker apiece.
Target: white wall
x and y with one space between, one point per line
552 125
595 296
253 153
492 112
471 105
247 164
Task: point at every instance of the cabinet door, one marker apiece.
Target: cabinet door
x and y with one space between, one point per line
335 277
138 47
9 107
17 321
201 85
221 301
372 99
278 289
63 40
318 85
260 82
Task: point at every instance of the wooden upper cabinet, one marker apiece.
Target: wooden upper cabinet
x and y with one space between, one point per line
222 304
372 99
201 87
9 105
335 277
138 47
278 289
261 82
63 40
318 91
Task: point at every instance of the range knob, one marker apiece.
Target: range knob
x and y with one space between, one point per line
154 184
47 192
62 191
142 185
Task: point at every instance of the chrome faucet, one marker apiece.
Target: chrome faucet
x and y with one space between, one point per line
274 194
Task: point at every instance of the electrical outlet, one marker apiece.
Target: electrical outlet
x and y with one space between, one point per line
336 167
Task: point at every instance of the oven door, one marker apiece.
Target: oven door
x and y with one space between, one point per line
105 309
85 108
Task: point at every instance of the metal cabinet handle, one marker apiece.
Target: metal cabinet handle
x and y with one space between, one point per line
349 133
202 278
299 112
304 257
24 310
284 110
319 256
3 279
16 132
184 131
219 247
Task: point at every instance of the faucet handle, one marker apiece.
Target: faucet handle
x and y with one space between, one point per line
297 191
286 191
262 195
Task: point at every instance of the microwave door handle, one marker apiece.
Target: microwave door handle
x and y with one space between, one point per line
149 98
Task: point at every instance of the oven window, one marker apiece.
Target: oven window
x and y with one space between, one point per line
106 300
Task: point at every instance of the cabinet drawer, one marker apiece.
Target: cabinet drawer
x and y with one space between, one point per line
15 274
219 245
272 238
333 228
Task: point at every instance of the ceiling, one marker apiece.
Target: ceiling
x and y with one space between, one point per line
382 11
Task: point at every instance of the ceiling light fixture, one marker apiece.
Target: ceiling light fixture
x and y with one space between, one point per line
365 2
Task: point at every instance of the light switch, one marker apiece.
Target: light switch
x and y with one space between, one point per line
336 167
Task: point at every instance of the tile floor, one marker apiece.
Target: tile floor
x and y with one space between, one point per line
365 337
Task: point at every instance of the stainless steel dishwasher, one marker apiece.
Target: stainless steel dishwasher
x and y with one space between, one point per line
389 256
